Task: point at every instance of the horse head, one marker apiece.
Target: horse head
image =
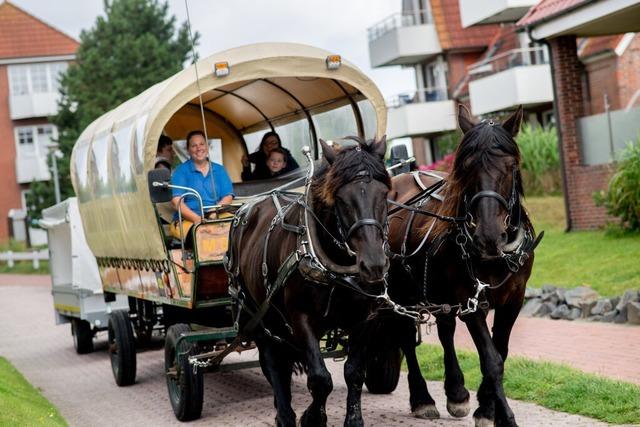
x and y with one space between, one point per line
352 191
487 177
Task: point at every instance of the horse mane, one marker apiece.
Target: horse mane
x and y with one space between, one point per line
480 147
348 163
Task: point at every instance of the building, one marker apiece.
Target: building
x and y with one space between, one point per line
32 56
429 37
597 91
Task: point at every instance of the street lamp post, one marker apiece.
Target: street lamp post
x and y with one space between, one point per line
55 155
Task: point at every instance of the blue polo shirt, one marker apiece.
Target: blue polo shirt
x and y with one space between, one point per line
186 175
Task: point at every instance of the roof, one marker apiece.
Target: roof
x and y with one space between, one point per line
22 35
591 46
547 9
267 82
446 14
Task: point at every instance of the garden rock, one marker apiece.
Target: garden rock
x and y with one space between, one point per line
596 318
531 307
574 314
551 297
615 301
560 312
532 293
608 317
621 316
633 313
580 295
627 297
602 306
547 289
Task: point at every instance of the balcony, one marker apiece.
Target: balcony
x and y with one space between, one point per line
474 12
515 77
31 168
403 39
420 113
33 105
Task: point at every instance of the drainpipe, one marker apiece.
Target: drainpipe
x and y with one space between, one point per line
556 114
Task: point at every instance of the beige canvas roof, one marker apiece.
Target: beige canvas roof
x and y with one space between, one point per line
268 85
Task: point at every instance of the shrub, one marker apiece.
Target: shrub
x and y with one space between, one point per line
622 197
540 161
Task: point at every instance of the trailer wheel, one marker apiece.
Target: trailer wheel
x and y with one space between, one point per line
122 348
82 336
185 386
383 371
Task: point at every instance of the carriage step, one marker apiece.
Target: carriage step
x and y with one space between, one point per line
209 334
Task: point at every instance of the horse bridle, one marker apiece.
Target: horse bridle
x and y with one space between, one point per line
512 204
363 174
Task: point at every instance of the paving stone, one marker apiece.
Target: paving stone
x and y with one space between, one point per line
83 389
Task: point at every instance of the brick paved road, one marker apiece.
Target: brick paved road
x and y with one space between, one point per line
82 387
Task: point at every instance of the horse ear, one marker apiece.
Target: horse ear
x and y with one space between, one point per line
380 147
512 124
464 119
327 151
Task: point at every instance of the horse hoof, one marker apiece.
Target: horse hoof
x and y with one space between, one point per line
483 422
458 410
426 412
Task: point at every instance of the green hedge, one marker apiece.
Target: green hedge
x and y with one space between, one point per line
540 164
622 197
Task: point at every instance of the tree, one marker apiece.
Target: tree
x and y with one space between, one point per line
136 45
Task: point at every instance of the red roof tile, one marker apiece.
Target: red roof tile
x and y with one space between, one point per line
594 45
446 14
22 35
547 9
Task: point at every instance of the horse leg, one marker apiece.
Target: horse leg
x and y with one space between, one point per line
422 404
354 378
503 321
319 380
491 390
277 368
457 394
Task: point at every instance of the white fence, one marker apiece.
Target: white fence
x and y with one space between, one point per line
35 257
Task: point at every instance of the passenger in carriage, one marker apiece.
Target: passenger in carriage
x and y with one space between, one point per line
164 153
270 141
277 162
210 180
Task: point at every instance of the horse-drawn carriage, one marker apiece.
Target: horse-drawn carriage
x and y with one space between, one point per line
301 92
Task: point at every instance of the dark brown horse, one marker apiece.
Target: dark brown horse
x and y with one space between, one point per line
318 263
476 255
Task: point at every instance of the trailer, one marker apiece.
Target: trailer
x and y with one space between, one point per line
77 292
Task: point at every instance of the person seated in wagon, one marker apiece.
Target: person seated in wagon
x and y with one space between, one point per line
210 180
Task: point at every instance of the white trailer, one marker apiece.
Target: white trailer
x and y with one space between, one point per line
76 287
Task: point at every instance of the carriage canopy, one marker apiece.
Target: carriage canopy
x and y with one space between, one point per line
290 88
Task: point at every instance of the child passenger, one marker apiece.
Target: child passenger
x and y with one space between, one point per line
277 162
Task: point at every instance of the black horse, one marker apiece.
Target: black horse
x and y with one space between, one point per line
312 265
476 253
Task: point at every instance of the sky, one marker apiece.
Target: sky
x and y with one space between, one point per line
339 26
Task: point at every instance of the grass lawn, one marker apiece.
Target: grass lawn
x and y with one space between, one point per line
22 267
604 260
551 385
21 404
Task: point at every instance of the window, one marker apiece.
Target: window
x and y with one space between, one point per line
19 80
35 140
36 78
39 79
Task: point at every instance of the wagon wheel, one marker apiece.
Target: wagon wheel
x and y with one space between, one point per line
122 348
383 371
185 387
82 336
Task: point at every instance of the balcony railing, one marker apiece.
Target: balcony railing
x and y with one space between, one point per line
398 20
417 96
506 60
